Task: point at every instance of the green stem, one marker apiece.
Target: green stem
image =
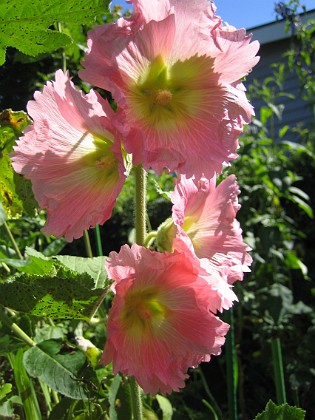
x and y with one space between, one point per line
278 370
15 328
216 409
231 368
140 226
55 396
87 244
16 248
98 241
150 238
140 204
63 54
135 399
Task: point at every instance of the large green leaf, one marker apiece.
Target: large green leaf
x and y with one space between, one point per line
57 287
27 24
15 191
95 267
52 362
280 412
165 406
25 387
2 215
4 390
62 293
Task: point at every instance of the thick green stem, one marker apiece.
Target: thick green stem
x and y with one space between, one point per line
99 246
278 370
63 54
15 328
87 244
140 204
140 226
15 246
231 368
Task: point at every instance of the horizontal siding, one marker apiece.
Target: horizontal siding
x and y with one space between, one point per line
295 110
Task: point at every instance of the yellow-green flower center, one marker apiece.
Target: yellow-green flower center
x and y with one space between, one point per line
101 161
166 95
143 313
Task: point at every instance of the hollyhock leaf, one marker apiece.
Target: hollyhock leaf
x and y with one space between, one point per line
281 412
4 390
119 391
24 386
26 25
15 191
3 216
7 408
95 267
165 406
112 396
51 362
61 294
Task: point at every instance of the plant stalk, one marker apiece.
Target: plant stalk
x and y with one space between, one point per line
15 328
140 204
87 244
231 368
140 226
15 246
278 370
99 246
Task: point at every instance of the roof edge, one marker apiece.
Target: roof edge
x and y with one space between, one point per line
275 31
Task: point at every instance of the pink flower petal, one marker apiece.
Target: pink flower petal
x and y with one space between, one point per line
72 157
175 71
205 218
160 323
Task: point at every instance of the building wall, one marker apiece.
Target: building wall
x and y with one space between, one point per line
295 110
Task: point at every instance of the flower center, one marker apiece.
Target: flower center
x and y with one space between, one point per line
168 95
162 97
143 313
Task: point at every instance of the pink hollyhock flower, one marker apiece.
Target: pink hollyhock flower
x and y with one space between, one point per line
72 156
204 220
175 70
162 319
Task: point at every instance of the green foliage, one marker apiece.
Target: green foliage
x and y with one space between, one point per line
63 287
58 366
3 216
165 406
26 25
277 183
280 412
25 387
15 191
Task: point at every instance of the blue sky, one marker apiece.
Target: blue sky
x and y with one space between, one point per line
245 13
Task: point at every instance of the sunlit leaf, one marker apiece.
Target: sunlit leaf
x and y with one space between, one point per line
56 287
95 267
280 412
28 25
5 389
165 406
2 215
15 191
